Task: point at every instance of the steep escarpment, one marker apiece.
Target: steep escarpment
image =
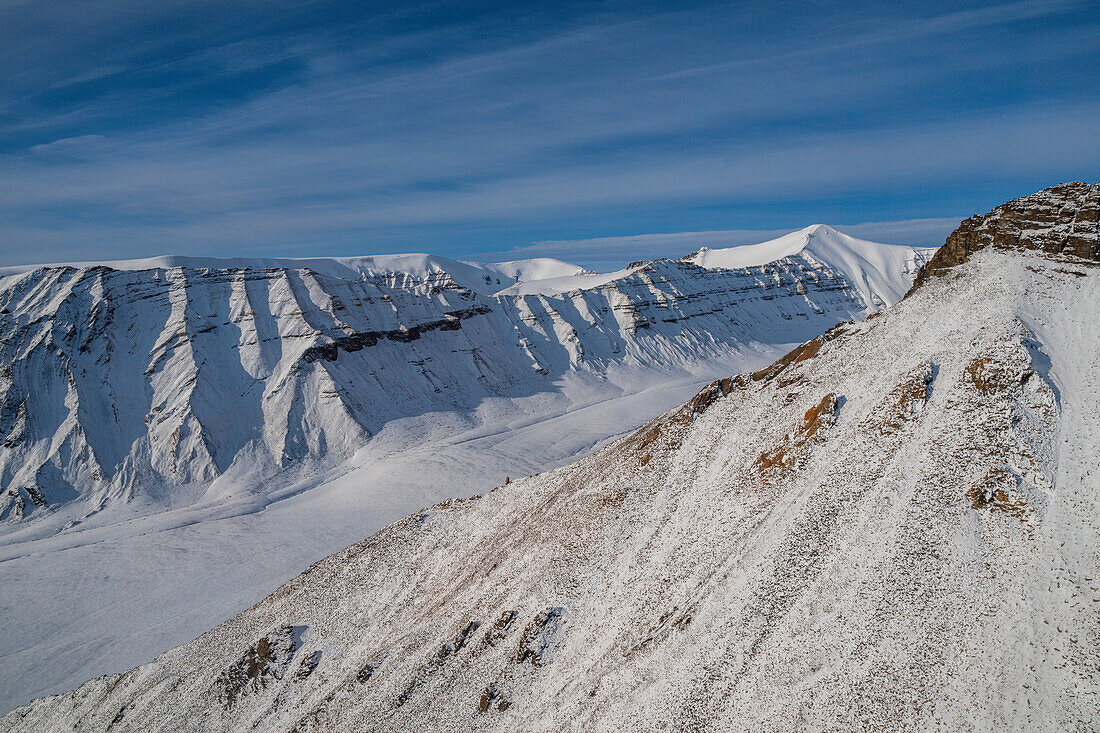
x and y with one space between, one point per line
671 311
880 274
1061 220
893 527
139 381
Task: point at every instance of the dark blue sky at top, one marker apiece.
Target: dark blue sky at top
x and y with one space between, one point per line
587 131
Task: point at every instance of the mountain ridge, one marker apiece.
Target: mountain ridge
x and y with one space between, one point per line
469 274
243 364
882 273
1061 220
892 526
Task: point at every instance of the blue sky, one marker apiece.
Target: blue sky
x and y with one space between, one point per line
587 131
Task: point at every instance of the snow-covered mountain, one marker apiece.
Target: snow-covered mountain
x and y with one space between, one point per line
133 381
167 372
880 273
892 527
203 429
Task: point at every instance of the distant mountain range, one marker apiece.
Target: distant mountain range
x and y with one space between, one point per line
122 380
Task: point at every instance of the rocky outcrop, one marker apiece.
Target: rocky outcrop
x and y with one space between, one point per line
1060 220
356 341
262 663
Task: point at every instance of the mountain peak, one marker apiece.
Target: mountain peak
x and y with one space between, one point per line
880 273
1061 220
819 229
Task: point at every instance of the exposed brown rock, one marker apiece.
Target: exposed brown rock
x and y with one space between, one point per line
442 656
991 373
818 415
907 399
979 373
994 493
784 455
649 433
261 663
799 354
708 395
1060 220
540 635
500 627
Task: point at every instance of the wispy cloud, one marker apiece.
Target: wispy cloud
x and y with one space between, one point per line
901 30
249 127
67 145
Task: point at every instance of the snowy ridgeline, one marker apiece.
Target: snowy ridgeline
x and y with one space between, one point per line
148 380
893 527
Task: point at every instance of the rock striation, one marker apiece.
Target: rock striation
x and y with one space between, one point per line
1061 220
122 383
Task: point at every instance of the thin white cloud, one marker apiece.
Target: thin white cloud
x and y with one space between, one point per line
957 21
68 144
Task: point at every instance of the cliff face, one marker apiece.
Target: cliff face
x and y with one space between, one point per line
1062 220
117 383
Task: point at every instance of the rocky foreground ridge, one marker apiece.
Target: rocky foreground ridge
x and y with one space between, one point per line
891 528
1060 220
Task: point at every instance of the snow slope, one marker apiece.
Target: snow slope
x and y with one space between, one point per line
203 429
892 527
880 273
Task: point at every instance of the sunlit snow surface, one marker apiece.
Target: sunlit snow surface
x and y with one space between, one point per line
202 430
895 529
879 272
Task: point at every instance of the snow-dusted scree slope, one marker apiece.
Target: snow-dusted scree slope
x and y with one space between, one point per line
136 380
892 527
